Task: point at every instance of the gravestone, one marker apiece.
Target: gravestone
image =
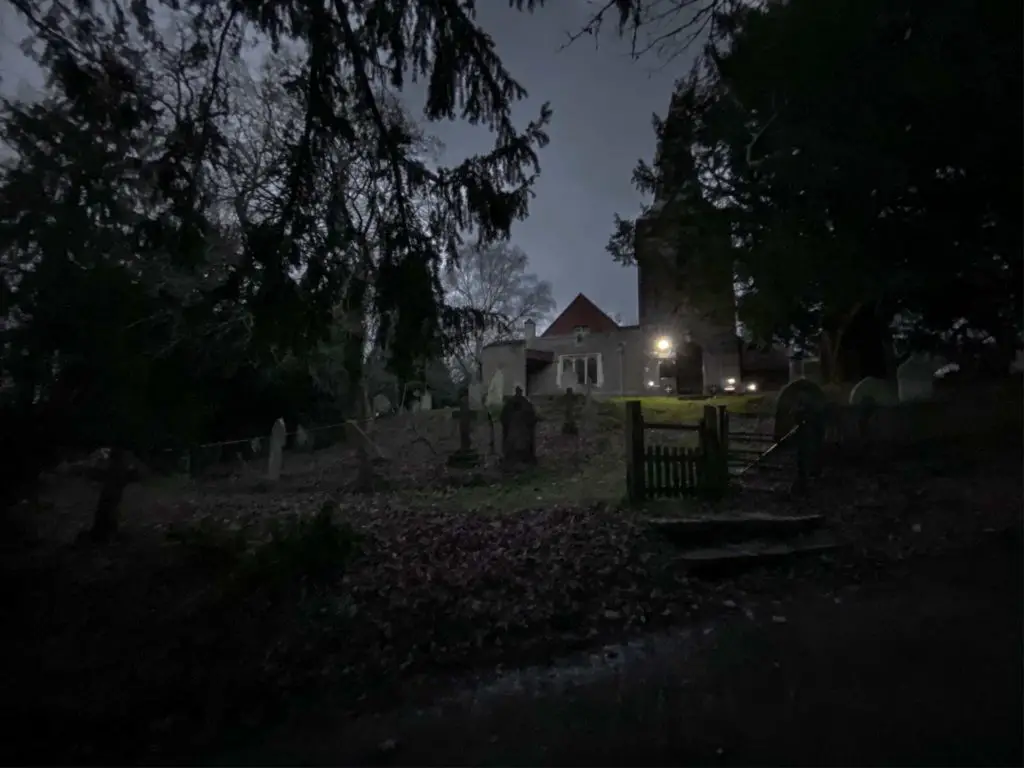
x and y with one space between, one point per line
476 395
277 437
868 395
426 401
798 398
569 425
465 456
518 430
874 390
302 438
381 404
915 378
496 388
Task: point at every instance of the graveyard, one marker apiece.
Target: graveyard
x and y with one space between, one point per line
484 538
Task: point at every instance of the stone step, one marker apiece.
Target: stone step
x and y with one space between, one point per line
749 468
715 529
729 559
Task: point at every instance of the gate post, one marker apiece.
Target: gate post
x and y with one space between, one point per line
714 434
634 452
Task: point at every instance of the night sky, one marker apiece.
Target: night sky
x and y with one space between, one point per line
602 101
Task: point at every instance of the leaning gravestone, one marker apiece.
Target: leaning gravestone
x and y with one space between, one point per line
915 378
569 423
277 437
465 456
518 430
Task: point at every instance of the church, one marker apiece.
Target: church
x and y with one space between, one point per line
682 345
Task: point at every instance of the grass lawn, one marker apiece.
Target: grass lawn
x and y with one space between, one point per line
673 409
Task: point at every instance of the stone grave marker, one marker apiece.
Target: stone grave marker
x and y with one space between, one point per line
874 390
915 378
518 430
868 395
381 404
465 456
800 397
426 401
278 433
569 425
476 394
302 438
496 388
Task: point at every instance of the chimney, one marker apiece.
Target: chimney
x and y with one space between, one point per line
531 332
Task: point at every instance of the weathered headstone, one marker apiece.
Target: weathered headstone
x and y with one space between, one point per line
874 390
569 425
867 396
465 456
518 430
277 438
915 378
496 388
798 399
426 401
302 438
476 394
381 403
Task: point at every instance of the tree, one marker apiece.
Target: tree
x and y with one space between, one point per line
494 283
104 279
835 197
344 220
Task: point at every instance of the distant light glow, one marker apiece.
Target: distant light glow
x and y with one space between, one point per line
751 387
664 344
731 382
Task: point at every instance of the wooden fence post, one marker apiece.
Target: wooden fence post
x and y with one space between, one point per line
803 439
634 452
716 461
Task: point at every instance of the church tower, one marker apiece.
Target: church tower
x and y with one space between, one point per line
698 317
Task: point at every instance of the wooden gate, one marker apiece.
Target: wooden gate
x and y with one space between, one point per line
658 471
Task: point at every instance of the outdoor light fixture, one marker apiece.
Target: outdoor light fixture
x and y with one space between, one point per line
663 344
650 383
751 387
731 382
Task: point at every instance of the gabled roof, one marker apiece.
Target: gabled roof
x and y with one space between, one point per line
581 311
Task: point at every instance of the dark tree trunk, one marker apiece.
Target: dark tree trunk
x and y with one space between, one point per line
866 346
106 518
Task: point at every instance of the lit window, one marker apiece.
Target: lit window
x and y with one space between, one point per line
580 371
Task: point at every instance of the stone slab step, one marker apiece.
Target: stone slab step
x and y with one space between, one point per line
733 558
720 529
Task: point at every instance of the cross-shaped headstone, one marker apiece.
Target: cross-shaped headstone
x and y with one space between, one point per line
465 456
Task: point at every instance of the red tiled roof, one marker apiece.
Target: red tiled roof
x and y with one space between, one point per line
581 311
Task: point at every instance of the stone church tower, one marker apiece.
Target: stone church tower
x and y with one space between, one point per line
699 319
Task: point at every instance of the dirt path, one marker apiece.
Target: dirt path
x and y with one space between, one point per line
923 670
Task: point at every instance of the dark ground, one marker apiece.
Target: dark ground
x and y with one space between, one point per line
922 669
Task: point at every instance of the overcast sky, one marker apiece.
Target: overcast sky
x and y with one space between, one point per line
602 103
